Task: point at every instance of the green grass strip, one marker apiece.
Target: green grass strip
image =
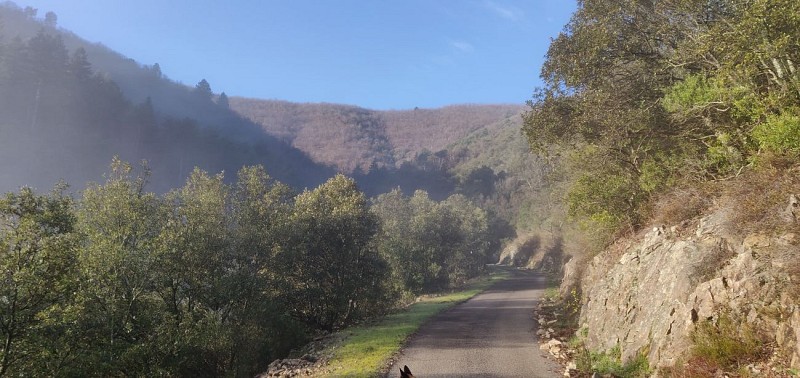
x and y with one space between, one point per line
366 349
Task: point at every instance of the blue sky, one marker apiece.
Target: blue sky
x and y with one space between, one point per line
377 54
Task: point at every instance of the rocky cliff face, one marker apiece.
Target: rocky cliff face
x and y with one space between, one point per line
647 294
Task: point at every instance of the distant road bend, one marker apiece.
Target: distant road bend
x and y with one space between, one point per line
491 335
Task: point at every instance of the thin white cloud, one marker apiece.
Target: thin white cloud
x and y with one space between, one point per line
508 12
462 46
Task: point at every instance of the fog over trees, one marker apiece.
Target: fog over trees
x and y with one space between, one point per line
65 118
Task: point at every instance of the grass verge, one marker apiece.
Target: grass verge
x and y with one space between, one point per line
365 350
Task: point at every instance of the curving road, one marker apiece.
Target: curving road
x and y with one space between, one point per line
491 335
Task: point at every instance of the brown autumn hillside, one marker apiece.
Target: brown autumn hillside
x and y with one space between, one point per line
350 138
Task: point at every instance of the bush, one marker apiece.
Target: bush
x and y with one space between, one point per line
727 342
610 363
607 201
780 133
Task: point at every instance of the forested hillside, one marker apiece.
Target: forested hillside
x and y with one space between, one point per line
64 118
355 139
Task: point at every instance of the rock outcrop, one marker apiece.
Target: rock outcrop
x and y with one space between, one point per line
541 252
647 294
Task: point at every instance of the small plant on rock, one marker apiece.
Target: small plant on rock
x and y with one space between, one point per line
727 343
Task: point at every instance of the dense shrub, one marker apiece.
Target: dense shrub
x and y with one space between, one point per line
779 133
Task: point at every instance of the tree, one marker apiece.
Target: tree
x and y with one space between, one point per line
260 329
223 101
203 90
50 19
479 182
120 222
196 265
30 12
79 65
156 70
431 246
335 276
396 243
470 252
607 104
38 255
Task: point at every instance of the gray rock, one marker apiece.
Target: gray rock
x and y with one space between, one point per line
650 297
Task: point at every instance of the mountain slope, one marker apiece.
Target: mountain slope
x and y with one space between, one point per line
352 138
68 106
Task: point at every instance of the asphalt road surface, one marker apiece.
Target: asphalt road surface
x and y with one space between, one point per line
491 335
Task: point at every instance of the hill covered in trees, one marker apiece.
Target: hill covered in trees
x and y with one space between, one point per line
411 149
67 107
356 139
97 97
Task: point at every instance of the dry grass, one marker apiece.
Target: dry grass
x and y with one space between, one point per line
759 198
683 204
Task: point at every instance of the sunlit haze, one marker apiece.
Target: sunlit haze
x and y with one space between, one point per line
379 55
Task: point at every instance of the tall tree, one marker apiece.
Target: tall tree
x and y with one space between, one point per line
120 222
335 274
79 65
50 19
38 254
223 101
203 90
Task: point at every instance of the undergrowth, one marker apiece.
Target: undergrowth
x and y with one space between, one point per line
610 362
759 197
728 342
722 346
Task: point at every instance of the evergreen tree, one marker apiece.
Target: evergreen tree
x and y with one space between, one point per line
223 101
79 65
50 19
203 90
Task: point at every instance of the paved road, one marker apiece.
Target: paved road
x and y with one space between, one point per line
491 335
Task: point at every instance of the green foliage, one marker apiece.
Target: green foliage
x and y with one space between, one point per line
119 223
334 274
606 200
430 245
655 175
478 182
779 134
610 363
212 278
724 154
38 258
692 94
203 90
666 92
